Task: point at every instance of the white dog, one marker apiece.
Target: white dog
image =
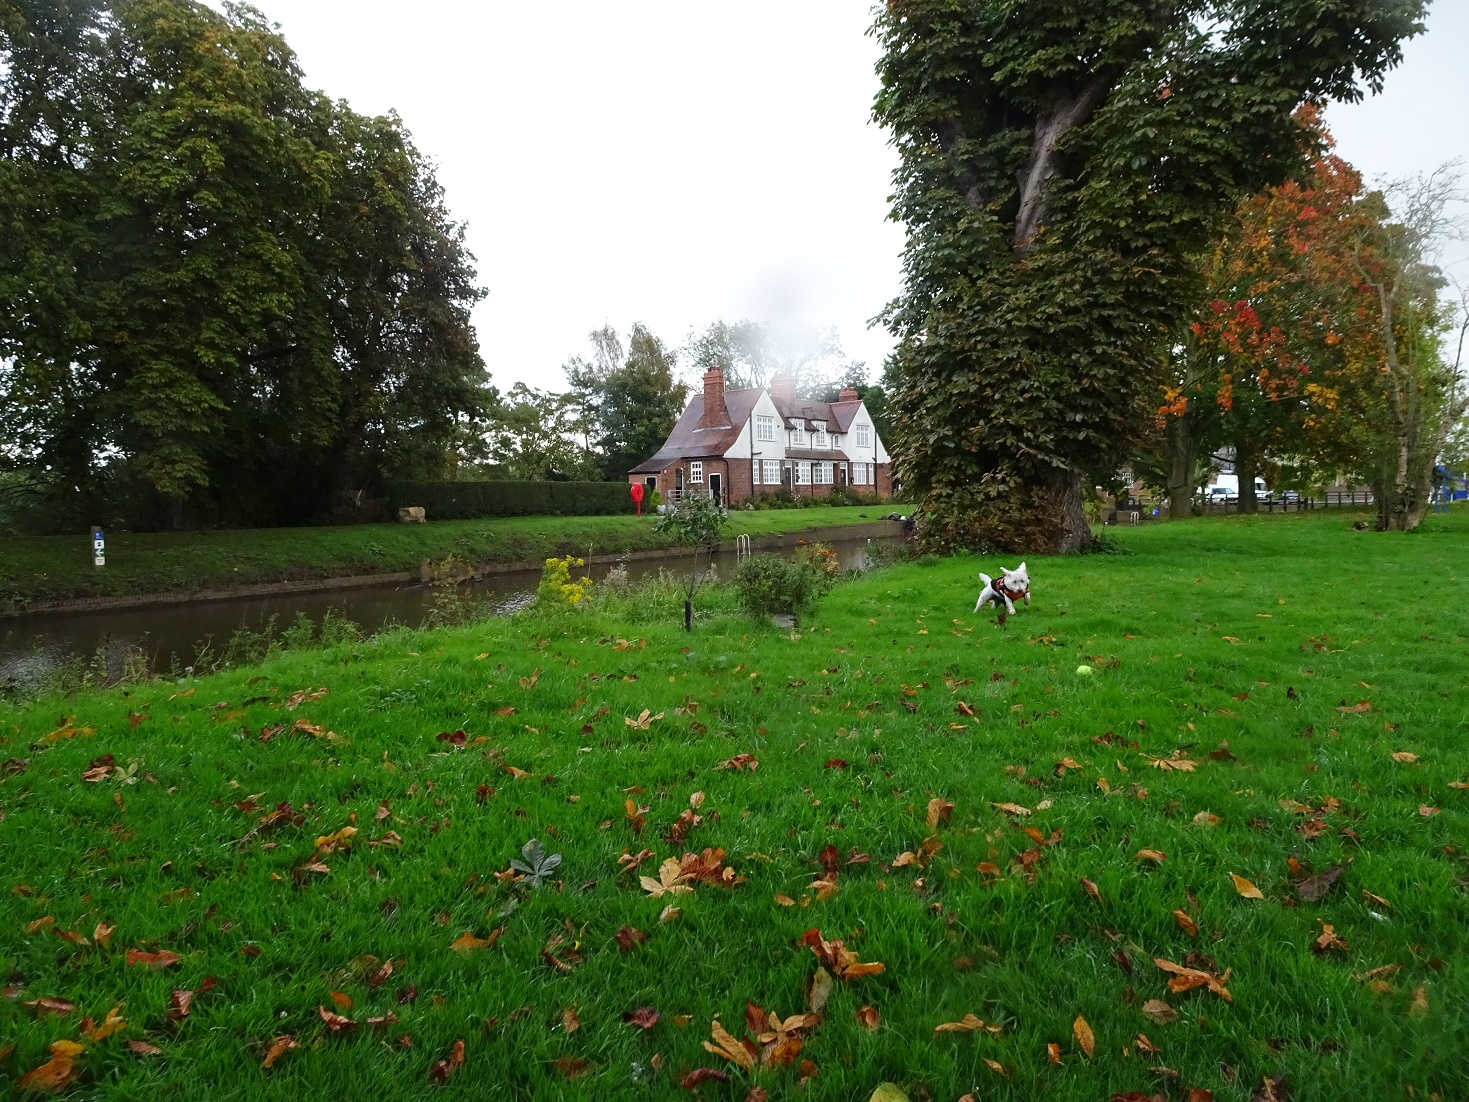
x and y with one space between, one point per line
1009 588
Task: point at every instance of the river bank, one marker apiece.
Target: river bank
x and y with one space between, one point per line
161 632
55 573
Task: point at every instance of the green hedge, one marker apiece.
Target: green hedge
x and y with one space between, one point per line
463 500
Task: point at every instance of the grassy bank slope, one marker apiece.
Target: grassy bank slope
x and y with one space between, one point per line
60 567
1283 703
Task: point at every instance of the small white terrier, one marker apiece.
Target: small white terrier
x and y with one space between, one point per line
1009 588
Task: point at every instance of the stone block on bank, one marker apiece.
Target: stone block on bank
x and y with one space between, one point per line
411 514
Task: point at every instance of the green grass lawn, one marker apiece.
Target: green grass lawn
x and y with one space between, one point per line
60 567
1280 700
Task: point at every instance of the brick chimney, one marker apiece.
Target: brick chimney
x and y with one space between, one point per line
716 413
847 395
783 390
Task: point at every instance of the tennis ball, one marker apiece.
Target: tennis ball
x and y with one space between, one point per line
1083 671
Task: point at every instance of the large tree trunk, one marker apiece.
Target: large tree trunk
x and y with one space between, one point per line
1063 502
1183 452
1246 464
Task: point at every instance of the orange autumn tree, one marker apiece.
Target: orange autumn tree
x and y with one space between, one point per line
1246 369
1401 394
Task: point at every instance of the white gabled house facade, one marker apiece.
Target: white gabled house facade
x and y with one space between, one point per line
766 440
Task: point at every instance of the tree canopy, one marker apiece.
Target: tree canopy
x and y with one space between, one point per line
1060 166
228 297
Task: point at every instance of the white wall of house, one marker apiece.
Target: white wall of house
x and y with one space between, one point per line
746 445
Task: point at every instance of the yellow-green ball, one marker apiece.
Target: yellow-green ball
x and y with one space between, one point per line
1083 671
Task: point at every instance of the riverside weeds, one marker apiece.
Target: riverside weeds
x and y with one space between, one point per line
902 845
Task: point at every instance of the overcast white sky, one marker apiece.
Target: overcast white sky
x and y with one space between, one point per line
676 162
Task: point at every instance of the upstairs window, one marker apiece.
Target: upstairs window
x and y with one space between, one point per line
818 435
798 438
864 436
765 427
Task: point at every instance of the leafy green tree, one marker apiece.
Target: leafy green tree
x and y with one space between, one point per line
638 405
239 294
530 436
1060 164
696 523
623 402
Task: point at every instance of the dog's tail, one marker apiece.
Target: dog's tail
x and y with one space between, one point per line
985 578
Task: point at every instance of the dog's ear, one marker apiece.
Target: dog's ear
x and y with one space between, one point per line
1020 569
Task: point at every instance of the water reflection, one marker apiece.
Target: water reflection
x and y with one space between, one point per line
33 646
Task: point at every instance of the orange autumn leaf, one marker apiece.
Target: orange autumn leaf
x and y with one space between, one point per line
467 942
867 1017
1186 979
1053 1053
1084 1037
109 1025
343 1000
1186 923
742 1053
56 1072
443 1069
970 1023
1245 888
939 811
1154 855
278 1048
836 956
1355 709
160 959
335 1022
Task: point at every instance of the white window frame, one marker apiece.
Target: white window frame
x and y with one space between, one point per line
864 436
801 472
765 427
818 437
796 438
696 474
770 472
822 473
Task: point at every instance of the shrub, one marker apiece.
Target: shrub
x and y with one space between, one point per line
768 584
557 589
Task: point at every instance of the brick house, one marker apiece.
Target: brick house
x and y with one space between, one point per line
736 445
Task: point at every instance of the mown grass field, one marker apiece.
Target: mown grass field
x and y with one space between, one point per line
1280 700
49 568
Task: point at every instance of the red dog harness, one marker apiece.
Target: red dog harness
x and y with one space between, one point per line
999 586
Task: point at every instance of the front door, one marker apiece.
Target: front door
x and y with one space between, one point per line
714 488
841 476
678 484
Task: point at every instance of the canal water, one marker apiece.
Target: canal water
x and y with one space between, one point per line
32 646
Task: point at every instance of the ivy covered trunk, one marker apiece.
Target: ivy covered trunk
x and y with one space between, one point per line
1060 165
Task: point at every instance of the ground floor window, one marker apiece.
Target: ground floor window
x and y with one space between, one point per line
862 474
801 472
696 473
771 471
823 473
